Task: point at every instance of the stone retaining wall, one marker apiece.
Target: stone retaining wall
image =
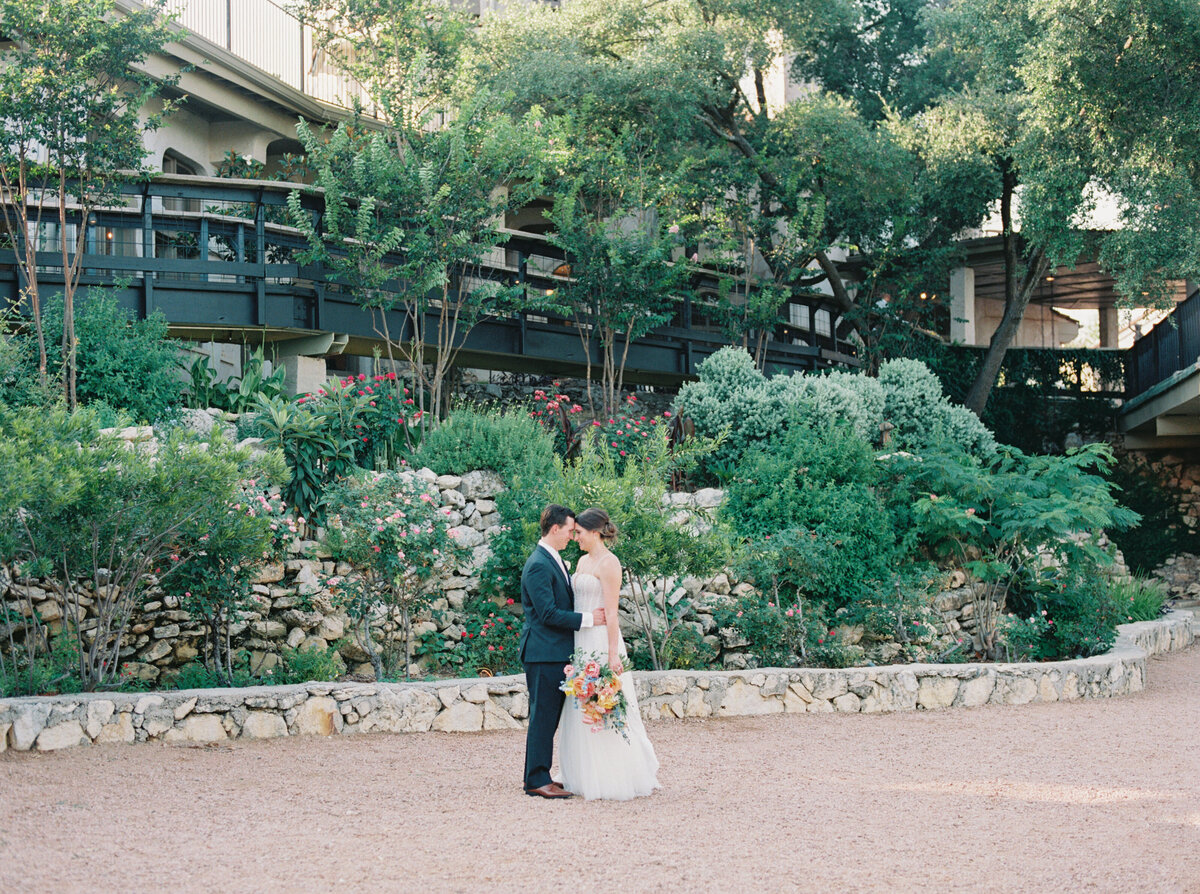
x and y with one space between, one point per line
48 723
295 606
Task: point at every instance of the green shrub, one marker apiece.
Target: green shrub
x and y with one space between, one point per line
78 505
304 665
390 525
205 391
922 415
852 398
775 634
1139 599
683 649
816 524
129 364
491 638
508 443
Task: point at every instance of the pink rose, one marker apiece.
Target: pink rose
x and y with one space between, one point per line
591 669
569 670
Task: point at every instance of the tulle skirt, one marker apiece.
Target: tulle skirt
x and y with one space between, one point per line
603 764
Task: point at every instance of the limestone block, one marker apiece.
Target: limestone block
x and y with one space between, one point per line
848 703
306 581
672 685
495 717
977 691
742 699
295 637
263 725
453 499
467 536
708 498
98 713
519 705
936 692
448 482
146 702
49 611
120 730
1046 690
331 629
167 631
827 685
199 728
449 695
318 716
477 694
157 721
1015 690
64 735
481 485
183 709
696 705
156 652
461 717
4 728
185 652
269 629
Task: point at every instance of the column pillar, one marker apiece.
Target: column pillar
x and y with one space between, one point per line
1109 327
962 305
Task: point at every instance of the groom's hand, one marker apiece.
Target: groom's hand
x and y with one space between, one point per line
598 618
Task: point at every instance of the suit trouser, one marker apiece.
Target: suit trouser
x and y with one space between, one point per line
542 679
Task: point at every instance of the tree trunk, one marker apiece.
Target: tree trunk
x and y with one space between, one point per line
1017 291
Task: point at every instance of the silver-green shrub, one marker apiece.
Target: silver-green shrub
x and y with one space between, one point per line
922 414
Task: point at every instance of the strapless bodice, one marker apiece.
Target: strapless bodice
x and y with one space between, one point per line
589 595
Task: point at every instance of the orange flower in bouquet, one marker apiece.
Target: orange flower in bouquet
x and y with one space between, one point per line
597 691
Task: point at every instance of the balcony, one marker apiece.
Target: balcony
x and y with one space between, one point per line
217 258
239 27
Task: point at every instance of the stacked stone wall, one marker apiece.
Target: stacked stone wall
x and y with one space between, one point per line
50 723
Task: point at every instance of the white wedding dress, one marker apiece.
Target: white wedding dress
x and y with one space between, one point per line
603 763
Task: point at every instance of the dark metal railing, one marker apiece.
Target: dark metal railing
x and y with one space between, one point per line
218 256
1172 345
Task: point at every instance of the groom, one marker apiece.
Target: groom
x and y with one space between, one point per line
547 641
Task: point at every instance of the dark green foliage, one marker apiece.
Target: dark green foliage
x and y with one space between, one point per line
683 649
1081 611
303 665
126 364
511 444
205 391
808 501
1162 532
1038 400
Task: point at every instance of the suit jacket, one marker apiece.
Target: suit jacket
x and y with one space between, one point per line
550 623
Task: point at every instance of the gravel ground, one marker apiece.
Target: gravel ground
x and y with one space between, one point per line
1088 796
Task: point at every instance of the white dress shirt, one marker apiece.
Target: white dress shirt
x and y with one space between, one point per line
587 616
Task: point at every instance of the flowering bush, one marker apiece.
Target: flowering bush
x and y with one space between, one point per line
490 644
375 414
626 433
391 527
227 546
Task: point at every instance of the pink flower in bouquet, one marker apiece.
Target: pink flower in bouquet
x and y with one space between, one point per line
591 669
569 670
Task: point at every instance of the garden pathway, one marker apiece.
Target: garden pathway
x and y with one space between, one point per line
1088 796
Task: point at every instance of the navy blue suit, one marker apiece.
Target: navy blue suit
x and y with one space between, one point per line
547 641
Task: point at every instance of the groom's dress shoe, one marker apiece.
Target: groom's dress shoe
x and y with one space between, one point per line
549 790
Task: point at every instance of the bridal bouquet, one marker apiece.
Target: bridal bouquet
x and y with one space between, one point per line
597 692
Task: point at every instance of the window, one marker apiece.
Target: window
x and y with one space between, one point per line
798 316
824 325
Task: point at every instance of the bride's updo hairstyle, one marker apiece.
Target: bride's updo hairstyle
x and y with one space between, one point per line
596 520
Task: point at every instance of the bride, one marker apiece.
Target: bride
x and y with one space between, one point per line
601 763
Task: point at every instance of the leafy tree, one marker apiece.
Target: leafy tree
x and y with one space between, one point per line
73 92
389 525
409 217
79 506
606 215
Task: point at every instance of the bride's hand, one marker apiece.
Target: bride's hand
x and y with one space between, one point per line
617 667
